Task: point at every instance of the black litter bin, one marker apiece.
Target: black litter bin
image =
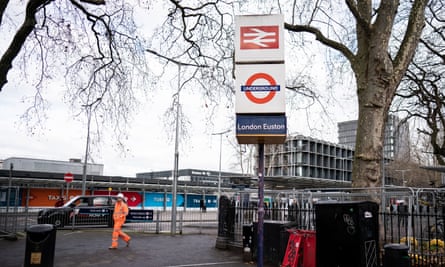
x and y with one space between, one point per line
275 239
347 234
40 245
396 255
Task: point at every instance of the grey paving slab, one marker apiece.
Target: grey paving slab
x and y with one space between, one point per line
81 248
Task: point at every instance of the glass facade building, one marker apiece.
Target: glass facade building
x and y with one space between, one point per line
396 144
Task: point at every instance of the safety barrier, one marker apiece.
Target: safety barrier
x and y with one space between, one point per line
190 221
412 216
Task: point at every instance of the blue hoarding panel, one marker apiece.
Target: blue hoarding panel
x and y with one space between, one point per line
211 201
194 200
15 197
157 200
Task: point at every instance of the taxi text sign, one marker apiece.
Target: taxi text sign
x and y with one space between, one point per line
260 88
259 38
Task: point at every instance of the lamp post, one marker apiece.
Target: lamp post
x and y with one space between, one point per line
88 110
176 159
175 169
87 148
220 155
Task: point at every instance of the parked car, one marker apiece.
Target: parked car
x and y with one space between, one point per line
81 210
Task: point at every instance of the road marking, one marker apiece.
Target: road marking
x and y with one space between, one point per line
205 264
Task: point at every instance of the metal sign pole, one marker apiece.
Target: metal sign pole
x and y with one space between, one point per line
260 118
260 203
8 193
67 191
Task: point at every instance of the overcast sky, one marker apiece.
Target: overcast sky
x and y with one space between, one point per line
149 148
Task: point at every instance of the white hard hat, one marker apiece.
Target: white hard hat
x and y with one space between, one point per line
120 195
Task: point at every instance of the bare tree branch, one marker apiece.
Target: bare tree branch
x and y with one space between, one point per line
3 5
323 39
20 37
176 61
421 98
94 2
411 38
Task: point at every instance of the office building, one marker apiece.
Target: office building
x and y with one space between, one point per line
396 144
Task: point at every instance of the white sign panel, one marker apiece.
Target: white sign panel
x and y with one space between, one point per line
260 88
259 38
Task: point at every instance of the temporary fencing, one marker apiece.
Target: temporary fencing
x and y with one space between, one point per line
412 216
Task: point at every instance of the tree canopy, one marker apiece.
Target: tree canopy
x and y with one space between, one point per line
376 39
421 98
92 45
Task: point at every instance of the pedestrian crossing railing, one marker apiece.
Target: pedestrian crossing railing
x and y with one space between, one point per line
153 221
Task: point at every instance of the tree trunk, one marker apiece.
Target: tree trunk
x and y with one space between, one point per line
378 76
375 93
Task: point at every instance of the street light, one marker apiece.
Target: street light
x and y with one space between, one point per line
175 168
176 158
220 155
88 111
87 149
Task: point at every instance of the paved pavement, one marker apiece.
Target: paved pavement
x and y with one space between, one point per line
89 247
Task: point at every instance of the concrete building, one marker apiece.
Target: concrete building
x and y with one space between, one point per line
302 156
75 166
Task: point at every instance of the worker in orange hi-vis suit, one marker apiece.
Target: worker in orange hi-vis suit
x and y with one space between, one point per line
119 215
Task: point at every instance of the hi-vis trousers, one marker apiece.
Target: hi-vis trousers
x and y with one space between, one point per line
117 232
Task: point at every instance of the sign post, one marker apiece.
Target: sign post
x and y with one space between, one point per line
260 99
68 177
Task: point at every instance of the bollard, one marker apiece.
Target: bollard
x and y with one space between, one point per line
396 255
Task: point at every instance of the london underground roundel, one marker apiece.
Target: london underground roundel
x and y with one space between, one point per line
271 88
260 88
